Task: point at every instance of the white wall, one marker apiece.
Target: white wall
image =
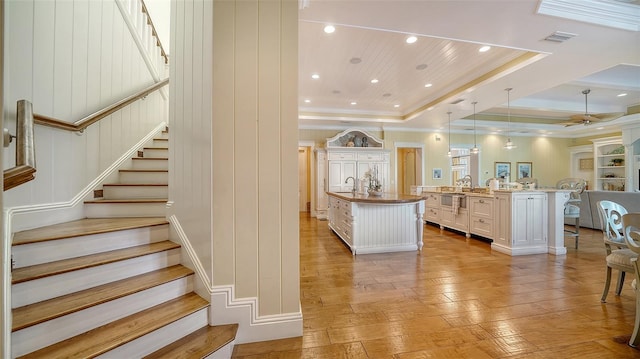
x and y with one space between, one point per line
70 59
233 175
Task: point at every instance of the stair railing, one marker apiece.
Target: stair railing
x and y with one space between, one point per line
25 168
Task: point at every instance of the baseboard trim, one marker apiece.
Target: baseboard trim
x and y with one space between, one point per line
27 217
226 309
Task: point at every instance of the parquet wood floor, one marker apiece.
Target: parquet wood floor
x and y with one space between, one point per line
455 299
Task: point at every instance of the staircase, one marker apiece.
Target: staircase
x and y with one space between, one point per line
111 285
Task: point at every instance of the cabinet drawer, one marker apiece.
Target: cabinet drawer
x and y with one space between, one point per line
342 156
432 214
482 207
481 226
431 200
370 157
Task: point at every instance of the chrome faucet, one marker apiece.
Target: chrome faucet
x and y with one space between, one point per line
353 190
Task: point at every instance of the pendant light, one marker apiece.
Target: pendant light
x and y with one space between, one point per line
509 145
449 153
475 148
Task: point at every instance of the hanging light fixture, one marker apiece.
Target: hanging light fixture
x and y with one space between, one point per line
475 148
509 145
449 153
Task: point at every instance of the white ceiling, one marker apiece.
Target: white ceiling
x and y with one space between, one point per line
547 77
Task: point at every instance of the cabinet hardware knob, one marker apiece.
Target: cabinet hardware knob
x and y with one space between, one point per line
482 201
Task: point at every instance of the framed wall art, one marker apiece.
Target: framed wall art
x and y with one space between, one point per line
437 173
502 169
524 169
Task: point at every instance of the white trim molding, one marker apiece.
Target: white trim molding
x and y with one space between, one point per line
225 309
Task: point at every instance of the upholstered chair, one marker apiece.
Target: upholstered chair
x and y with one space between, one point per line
631 228
572 207
618 255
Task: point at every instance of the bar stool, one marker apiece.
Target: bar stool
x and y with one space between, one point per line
572 207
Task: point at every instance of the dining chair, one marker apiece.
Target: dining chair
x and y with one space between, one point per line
631 228
572 207
618 255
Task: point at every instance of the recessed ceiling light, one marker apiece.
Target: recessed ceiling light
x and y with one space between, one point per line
428 85
355 60
430 108
421 67
599 128
622 94
374 81
315 76
396 106
411 39
354 103
307 101
329 29
485 48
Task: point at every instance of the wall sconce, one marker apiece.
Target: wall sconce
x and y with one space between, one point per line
437 137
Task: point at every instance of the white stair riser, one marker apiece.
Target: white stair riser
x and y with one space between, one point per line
113 210
159 338
149 164
223 353
49 251
144 177
162 135
126 192
54 286
155 153
50 332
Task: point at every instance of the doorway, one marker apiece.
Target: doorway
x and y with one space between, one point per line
408 168
304 179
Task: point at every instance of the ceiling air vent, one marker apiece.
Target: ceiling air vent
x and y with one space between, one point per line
560 36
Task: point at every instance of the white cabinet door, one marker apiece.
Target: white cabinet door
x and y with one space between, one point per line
339 171
529 219
502 210
537 215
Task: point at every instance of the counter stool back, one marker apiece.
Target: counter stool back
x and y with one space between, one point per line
631 228
618 255
572 207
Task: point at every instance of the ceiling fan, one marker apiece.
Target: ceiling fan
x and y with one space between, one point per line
588 118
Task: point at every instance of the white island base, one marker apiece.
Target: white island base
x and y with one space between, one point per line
391 223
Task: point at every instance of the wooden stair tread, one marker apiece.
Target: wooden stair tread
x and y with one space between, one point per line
143 170
135 184
137 200
155 148
24 274
37 313
151 158
112 335
199 344
84 227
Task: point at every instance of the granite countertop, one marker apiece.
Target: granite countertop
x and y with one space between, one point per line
385 198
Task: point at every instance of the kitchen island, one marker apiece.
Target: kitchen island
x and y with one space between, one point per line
516 222
368 224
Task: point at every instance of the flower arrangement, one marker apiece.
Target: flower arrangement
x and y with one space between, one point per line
375 186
